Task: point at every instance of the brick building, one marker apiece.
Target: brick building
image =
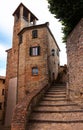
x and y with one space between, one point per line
2 98
75 63
32 61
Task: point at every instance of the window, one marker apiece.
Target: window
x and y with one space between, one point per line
0 106
53 52
35 51
20 39
57 52
4 81
34 71
34 34
3 91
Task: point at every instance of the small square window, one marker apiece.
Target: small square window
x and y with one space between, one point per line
34 71
34 34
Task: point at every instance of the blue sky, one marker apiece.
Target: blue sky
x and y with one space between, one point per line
40 9
4 44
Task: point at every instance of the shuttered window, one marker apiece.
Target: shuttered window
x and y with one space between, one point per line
35 51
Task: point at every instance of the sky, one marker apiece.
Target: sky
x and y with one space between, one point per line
41 11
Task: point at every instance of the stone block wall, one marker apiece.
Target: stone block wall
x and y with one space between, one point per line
2 97
19 61
75 62
62 75
53 60
45 62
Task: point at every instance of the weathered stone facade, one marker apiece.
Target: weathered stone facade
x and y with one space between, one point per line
62 75
2 98
33 60
75 63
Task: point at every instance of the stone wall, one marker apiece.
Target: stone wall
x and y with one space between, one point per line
62 74
11 68
26 81
45 61
75 62
53 60
2 97
20 63
24 108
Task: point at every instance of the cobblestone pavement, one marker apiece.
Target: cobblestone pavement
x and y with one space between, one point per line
55 112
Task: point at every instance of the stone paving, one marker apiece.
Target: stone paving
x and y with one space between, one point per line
55 112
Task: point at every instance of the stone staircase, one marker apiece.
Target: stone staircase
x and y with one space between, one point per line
55 112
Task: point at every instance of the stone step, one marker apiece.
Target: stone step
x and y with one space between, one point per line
54 93
55 100
58 105
55 103
55 126
55 121
57 111
58 117
57 108
57 89
52 96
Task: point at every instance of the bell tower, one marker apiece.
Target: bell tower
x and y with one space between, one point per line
23 18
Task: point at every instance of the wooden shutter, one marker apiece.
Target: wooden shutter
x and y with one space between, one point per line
30 51
38 50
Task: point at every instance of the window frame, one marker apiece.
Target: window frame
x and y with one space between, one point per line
35 51
35 71
35 33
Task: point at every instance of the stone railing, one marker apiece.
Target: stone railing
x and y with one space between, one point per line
24 108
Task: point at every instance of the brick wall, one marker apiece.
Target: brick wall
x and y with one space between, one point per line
75 62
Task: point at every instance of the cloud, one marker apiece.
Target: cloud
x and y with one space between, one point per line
2 52
2 72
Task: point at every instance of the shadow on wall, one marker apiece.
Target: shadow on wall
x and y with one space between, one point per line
62 75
